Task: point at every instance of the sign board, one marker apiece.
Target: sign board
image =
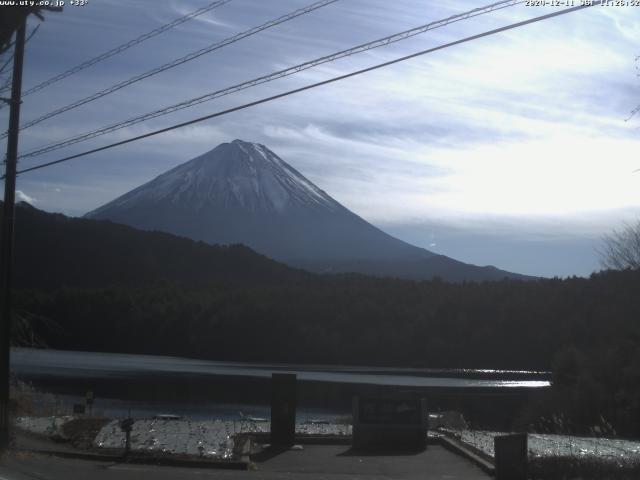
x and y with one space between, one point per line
511 456
89 397
390 411
397 422
127 424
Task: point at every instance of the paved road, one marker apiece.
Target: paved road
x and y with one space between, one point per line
314 462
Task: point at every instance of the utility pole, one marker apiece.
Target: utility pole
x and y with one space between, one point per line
6 252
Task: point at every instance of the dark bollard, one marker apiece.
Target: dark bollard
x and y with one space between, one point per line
283 409
511 456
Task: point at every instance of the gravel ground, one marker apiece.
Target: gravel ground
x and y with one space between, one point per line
543 445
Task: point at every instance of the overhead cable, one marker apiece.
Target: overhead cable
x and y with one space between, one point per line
308 87
176 62
272 76
125 46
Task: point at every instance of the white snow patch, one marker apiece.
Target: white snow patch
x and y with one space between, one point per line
212 439
260 149
206 438
242 148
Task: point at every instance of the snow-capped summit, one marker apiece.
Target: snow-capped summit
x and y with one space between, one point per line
242 192
239 174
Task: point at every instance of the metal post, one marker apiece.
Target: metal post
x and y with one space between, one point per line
126 426
511 456
283 409
6 248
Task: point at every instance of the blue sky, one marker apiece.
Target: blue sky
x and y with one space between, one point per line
512 150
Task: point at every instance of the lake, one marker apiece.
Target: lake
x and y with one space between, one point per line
56 363
148 384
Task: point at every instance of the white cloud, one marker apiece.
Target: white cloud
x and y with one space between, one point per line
555 176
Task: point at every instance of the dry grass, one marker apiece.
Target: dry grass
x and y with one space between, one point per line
21 400
18 455
26 400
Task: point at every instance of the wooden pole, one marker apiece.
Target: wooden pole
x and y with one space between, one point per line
6 247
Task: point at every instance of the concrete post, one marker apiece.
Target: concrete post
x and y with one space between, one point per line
511 456
283 409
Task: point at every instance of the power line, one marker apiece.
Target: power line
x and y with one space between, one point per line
273 76
5 64
313 85
125 46
179 61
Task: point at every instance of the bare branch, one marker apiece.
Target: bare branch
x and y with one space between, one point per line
621 249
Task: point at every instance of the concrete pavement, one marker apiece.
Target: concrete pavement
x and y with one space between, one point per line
331 462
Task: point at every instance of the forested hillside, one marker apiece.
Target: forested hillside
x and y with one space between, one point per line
351 319
53 250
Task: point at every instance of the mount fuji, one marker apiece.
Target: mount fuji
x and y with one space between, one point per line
242 192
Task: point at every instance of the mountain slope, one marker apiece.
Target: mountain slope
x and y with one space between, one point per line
242 192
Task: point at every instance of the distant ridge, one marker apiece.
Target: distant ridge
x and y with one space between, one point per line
54 251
